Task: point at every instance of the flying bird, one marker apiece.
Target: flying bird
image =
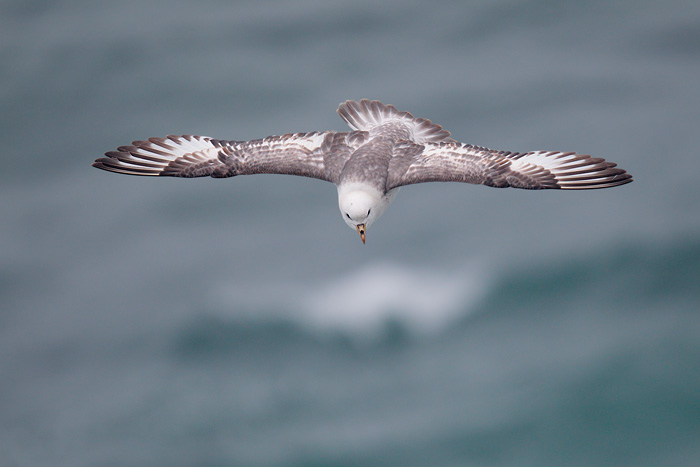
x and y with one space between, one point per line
385 150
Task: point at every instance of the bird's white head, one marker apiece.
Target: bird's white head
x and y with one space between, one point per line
360 206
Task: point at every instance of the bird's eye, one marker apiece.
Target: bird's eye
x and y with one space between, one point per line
368 211
348 216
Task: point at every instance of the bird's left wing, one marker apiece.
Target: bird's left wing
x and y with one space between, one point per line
459 162
302 154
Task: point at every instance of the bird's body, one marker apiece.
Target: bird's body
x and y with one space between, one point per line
385 150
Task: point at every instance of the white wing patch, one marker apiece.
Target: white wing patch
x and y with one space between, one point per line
311 141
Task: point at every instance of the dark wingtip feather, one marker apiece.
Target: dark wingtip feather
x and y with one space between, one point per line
602 180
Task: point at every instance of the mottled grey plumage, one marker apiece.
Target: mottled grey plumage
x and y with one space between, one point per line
385 150
399 150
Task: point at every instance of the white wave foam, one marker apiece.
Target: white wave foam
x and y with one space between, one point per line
364 301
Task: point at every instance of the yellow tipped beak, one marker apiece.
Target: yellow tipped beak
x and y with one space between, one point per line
361 230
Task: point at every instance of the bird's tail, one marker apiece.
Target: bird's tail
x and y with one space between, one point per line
366 114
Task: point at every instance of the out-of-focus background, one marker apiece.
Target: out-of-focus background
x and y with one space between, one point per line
240 322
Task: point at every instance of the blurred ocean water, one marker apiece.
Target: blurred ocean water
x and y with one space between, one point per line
240 322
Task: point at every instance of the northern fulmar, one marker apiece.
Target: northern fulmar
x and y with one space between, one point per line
385 150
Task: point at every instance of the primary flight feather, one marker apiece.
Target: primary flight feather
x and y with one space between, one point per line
385 150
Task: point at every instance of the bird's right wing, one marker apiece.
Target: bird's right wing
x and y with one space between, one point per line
316 155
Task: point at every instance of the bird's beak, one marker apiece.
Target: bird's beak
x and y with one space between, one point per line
361 230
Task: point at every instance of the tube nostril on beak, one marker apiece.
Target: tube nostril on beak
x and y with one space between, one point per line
361 230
